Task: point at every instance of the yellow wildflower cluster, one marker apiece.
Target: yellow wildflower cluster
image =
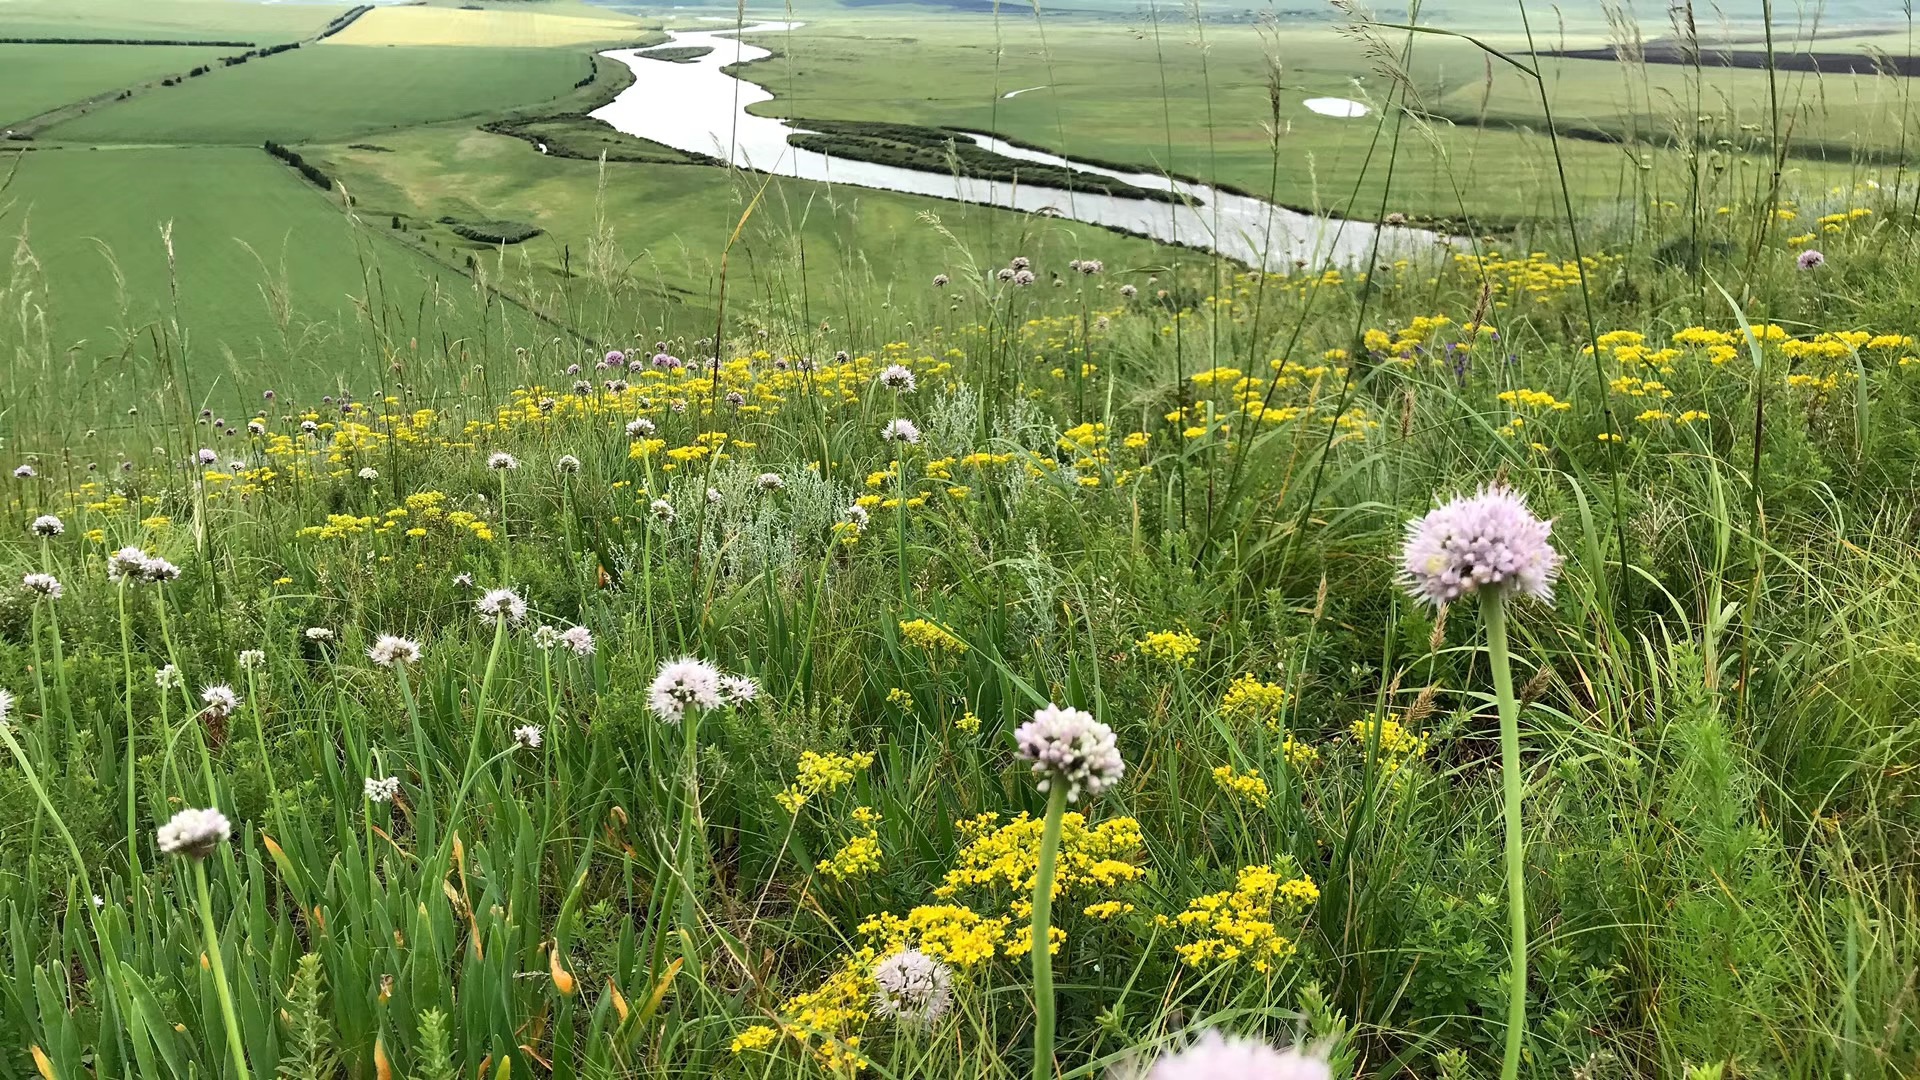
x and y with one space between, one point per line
1396 743
757 1037
1534 399
1300 756
821 774
930 636
858 858
1247 697
1246 786
1003 859
1241 924
1170 647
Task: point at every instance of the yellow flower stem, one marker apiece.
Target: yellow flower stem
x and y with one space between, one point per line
1494 613
1043 1003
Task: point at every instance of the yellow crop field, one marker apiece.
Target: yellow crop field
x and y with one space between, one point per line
454 26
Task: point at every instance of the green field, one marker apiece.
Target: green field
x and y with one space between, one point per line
1209 112
36 78
266 269
239 20
335 92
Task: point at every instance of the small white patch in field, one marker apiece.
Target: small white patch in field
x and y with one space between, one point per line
542 146
1017 93
1345 108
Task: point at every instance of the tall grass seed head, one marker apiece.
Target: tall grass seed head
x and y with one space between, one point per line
912 987
1068 746
1488 541
682 684
194 834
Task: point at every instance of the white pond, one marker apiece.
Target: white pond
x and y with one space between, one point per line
1337 106
699 108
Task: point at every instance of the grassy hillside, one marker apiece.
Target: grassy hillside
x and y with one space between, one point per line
36 78
335 92
267 275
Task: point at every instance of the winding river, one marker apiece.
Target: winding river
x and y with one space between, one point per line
697 107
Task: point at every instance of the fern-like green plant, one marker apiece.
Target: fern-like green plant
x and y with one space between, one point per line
436 1050
310 1054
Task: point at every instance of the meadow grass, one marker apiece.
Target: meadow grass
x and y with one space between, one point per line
265 24
263 270
334 92
910 512
36 78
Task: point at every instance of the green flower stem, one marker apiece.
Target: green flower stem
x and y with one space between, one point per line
1043 932
219 965
1494 613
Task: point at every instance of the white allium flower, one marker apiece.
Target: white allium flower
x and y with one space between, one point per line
501 603
252 658
157 570
713 496
1069 746
25 472
319 633
858 515
545 637
912 987
368 473
662 511
43 584
256 427
1023 277
99 901
382 790
900 430
205 456
390 649
194 834
220 699
770 481
500 459
6 709
739 689
1214 1056
579 639
168 678
47 525
1128 292
639 428
126 564
898 378
527 737
568 464
463 580
682 683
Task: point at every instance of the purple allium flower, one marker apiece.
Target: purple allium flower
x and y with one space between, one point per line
615 357
1023 277
1214 1056
1489 540
1069 746
1811 260
682 683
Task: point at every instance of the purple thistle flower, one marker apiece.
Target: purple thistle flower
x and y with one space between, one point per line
1485 541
